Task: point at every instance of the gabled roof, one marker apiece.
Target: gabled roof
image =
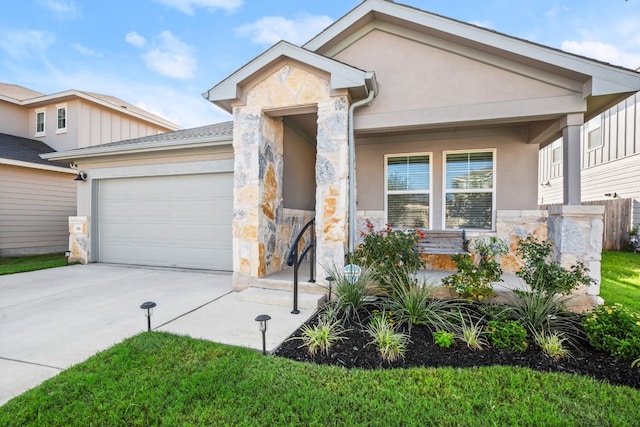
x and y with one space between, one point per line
343 76
215 134
26 152
600 78
26 97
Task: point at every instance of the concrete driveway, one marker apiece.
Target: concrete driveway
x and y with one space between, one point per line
53 319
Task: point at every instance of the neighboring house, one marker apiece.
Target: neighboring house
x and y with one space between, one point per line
391 114
610 159
37 196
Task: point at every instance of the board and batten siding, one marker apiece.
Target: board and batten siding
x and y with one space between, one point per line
613 168
34 209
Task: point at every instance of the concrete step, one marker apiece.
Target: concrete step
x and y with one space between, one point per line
280 298
286 284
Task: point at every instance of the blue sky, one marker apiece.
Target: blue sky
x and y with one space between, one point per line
162 54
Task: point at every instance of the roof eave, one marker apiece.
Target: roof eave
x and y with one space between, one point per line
112 150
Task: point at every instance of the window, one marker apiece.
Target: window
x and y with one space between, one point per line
62 119
556 152
595 139
408 190
470 190
40 123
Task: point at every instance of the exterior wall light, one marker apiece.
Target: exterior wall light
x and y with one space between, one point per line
82 176
148 306
262 319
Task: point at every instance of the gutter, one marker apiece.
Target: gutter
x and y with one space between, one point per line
352 162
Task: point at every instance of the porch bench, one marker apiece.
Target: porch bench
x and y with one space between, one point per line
437 242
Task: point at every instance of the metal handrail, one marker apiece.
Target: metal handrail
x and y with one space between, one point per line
294 260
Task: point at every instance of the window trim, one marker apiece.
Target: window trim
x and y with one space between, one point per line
494 189
429 191
66 111
600 140
43 132
556 145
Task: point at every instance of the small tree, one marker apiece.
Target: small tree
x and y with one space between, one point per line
543 274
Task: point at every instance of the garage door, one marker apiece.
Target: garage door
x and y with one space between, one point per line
174 221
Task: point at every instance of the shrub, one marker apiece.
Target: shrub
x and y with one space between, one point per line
507 334
614 329
320 337
389 249
538 311
544 275
472 333
352 295
475 275
391 344
411 303
552 344
444 339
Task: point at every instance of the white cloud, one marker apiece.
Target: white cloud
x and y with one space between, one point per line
187 6
603 52
25 44
65 8
86 51
272 29
171 57
135 39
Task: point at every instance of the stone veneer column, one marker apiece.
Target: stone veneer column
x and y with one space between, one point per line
332 183
79 239
577 232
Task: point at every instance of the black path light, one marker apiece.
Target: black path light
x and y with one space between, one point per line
149 307
263 318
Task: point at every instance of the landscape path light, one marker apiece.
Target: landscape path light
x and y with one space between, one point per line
262 319
149 307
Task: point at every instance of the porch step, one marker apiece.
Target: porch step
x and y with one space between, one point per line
280 298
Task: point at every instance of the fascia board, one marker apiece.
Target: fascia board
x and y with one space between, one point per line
38 166
342 76
136 148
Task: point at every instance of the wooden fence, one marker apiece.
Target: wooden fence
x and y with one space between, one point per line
617 220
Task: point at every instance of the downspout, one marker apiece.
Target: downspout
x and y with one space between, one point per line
352 169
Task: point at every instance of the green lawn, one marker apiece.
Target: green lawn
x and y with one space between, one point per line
621 279
10 265
158 378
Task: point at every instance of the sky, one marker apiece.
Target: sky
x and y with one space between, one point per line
161 55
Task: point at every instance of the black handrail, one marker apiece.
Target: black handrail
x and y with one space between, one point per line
294 260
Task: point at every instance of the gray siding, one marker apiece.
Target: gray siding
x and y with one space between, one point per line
613 167
34 210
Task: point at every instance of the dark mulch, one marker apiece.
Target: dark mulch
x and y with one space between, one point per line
356 352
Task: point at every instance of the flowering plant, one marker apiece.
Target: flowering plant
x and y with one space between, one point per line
388 250
614 329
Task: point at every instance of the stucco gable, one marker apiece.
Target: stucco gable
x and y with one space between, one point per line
599 79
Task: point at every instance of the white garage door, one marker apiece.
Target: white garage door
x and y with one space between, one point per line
174 221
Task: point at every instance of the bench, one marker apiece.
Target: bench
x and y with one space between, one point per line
437 242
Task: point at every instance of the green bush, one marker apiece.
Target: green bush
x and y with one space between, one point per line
391 344
352 295
545 275
476 274
320 337
444 339
552 344
614 329
387 250
507 334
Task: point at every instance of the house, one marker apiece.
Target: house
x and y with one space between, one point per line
37 196
391 114
610 159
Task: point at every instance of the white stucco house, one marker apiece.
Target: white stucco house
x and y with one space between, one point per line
391 114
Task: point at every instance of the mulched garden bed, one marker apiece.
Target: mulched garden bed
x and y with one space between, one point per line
356 352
